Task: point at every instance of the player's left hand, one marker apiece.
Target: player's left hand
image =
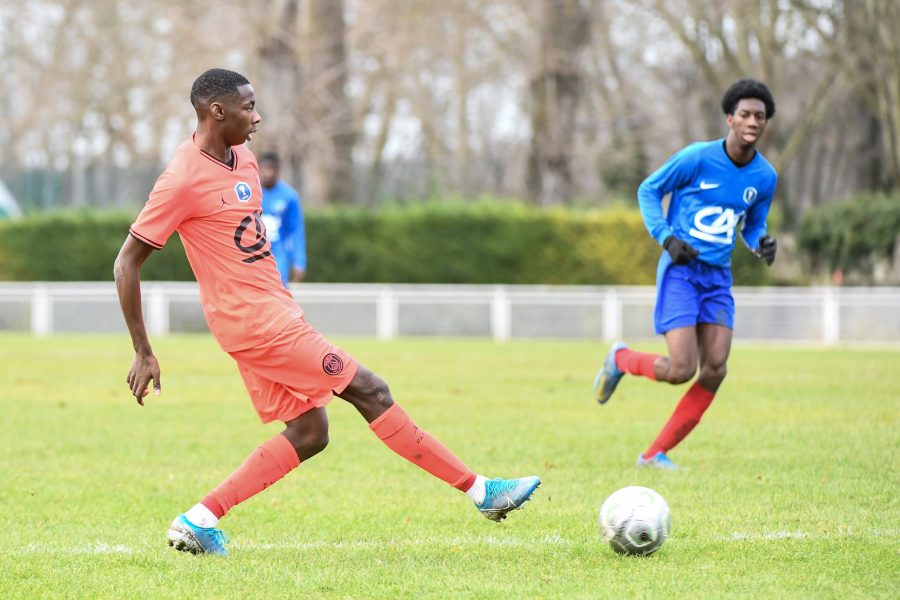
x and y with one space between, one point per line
767 248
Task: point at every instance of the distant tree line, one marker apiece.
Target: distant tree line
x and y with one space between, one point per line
555 101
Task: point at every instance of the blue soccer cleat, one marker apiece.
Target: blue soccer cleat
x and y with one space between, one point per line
187 537
609 375
504 495
657 461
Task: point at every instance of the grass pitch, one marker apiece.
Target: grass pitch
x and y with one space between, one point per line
791 491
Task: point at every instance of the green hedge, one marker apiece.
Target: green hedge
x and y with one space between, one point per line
78 246
849 235
496 242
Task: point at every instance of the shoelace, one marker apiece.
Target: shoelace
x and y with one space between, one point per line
496 487
220 537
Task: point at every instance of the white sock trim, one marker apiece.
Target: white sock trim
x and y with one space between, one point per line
201 516
476 492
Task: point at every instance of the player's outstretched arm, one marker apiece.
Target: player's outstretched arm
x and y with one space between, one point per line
127 272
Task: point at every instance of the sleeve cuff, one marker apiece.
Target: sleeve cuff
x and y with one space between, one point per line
145 239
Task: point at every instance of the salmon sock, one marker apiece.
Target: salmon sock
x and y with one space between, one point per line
400 434
686 416
272 460
636 363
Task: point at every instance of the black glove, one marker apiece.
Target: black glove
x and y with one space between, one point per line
681 252
767 247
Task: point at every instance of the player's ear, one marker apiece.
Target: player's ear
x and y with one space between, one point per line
217 110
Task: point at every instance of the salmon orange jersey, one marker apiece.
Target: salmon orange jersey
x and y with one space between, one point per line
216 209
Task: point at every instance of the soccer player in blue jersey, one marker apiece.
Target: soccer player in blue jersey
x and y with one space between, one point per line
283 216
719 190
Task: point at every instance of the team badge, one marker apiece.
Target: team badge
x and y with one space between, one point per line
332 364
243 192
750 194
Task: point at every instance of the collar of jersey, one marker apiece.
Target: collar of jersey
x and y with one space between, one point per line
234 154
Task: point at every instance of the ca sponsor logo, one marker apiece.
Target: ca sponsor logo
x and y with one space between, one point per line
715 224
704 185
273 227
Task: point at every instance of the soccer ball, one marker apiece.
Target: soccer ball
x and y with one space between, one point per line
635 520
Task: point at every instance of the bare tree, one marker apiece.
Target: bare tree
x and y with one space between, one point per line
98 87
867 48
329 169
560 100
301 70
556 92
427 76
278 78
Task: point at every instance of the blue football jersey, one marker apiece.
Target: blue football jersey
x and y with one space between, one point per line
285 229
712 200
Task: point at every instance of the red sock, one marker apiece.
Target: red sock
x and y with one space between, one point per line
400 434
686 416
272 460
636 363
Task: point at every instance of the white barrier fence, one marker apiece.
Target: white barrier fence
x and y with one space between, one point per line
822 314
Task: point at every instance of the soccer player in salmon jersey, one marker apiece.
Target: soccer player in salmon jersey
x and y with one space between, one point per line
210 194
718 189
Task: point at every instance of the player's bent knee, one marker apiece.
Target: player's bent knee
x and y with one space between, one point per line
316 445
369 393
308 433
714 373
680 373
310 443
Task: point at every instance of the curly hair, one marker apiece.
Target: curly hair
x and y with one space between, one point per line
215 84
748 88
271 158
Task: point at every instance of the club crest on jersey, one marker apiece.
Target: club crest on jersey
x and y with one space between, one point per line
332 364
750 195
242 191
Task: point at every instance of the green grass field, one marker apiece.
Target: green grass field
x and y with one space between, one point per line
792 487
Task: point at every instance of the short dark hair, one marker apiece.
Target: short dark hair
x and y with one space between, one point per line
270 157
215 84
748 88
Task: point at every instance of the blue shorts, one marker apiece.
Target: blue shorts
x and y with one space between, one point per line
690 294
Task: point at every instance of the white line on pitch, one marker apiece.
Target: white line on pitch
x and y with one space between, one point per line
100 547
554 539
842 532
87 548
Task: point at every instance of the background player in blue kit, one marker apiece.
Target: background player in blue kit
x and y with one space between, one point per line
283 216
719 189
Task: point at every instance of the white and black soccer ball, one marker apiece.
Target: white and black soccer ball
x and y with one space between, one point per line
635 520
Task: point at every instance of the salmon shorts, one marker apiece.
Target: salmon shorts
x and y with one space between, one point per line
296 371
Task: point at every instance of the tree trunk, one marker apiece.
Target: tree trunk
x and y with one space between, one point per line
555 94
330 165
278 83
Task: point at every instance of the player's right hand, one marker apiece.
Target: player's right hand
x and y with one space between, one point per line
681 252
144 369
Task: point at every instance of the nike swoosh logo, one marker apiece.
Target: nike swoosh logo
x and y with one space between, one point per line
708 186
509 504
